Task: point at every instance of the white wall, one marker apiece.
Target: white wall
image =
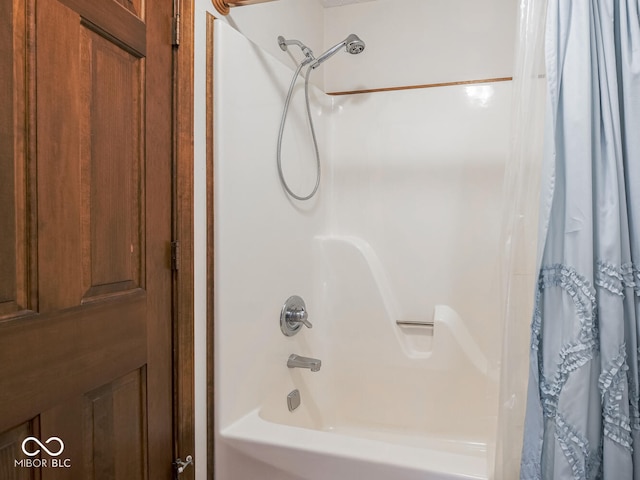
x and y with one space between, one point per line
264 22
418 174
409 42
261 24
416 42
263 240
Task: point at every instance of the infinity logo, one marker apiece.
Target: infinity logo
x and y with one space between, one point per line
42 445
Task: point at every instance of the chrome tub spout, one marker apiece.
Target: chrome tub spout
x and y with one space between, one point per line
296 361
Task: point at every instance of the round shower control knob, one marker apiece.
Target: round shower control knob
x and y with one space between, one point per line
293 316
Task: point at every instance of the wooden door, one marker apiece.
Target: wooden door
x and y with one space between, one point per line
85 236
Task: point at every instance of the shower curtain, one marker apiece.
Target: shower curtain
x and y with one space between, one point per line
582 418
521 195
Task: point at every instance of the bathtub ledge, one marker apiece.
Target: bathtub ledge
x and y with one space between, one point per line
318 455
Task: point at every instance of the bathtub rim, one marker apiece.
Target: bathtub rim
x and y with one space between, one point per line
252 431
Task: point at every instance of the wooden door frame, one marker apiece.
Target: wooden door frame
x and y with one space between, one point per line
183 235
210 251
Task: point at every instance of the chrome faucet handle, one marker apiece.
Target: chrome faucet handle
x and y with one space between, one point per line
300 316
293 316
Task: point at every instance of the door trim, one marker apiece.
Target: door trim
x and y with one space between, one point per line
210 250
183 234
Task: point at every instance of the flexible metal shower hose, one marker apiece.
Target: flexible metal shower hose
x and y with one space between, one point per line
313 134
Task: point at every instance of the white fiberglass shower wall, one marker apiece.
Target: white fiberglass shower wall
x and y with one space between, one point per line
405 228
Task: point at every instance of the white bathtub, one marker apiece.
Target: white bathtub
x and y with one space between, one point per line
391 402
377 418
349 453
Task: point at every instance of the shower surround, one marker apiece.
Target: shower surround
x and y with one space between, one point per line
405 227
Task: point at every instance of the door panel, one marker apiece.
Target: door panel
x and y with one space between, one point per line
58 70
114 415
13 250
85 235
10 449
112 155
67 353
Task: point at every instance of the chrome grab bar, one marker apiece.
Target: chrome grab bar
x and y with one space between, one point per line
415 323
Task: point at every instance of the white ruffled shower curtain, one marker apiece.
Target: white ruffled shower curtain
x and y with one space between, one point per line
582 414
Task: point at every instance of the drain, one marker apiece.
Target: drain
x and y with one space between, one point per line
293 400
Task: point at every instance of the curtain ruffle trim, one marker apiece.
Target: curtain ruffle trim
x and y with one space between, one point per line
572 355
619 394
584 462
616 279
612 384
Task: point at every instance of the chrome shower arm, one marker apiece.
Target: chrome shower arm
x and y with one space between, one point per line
284 43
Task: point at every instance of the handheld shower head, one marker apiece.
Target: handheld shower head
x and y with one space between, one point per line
353 44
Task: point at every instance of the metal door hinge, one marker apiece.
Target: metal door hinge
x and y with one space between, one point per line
175 30
175 255
175 24
180 465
